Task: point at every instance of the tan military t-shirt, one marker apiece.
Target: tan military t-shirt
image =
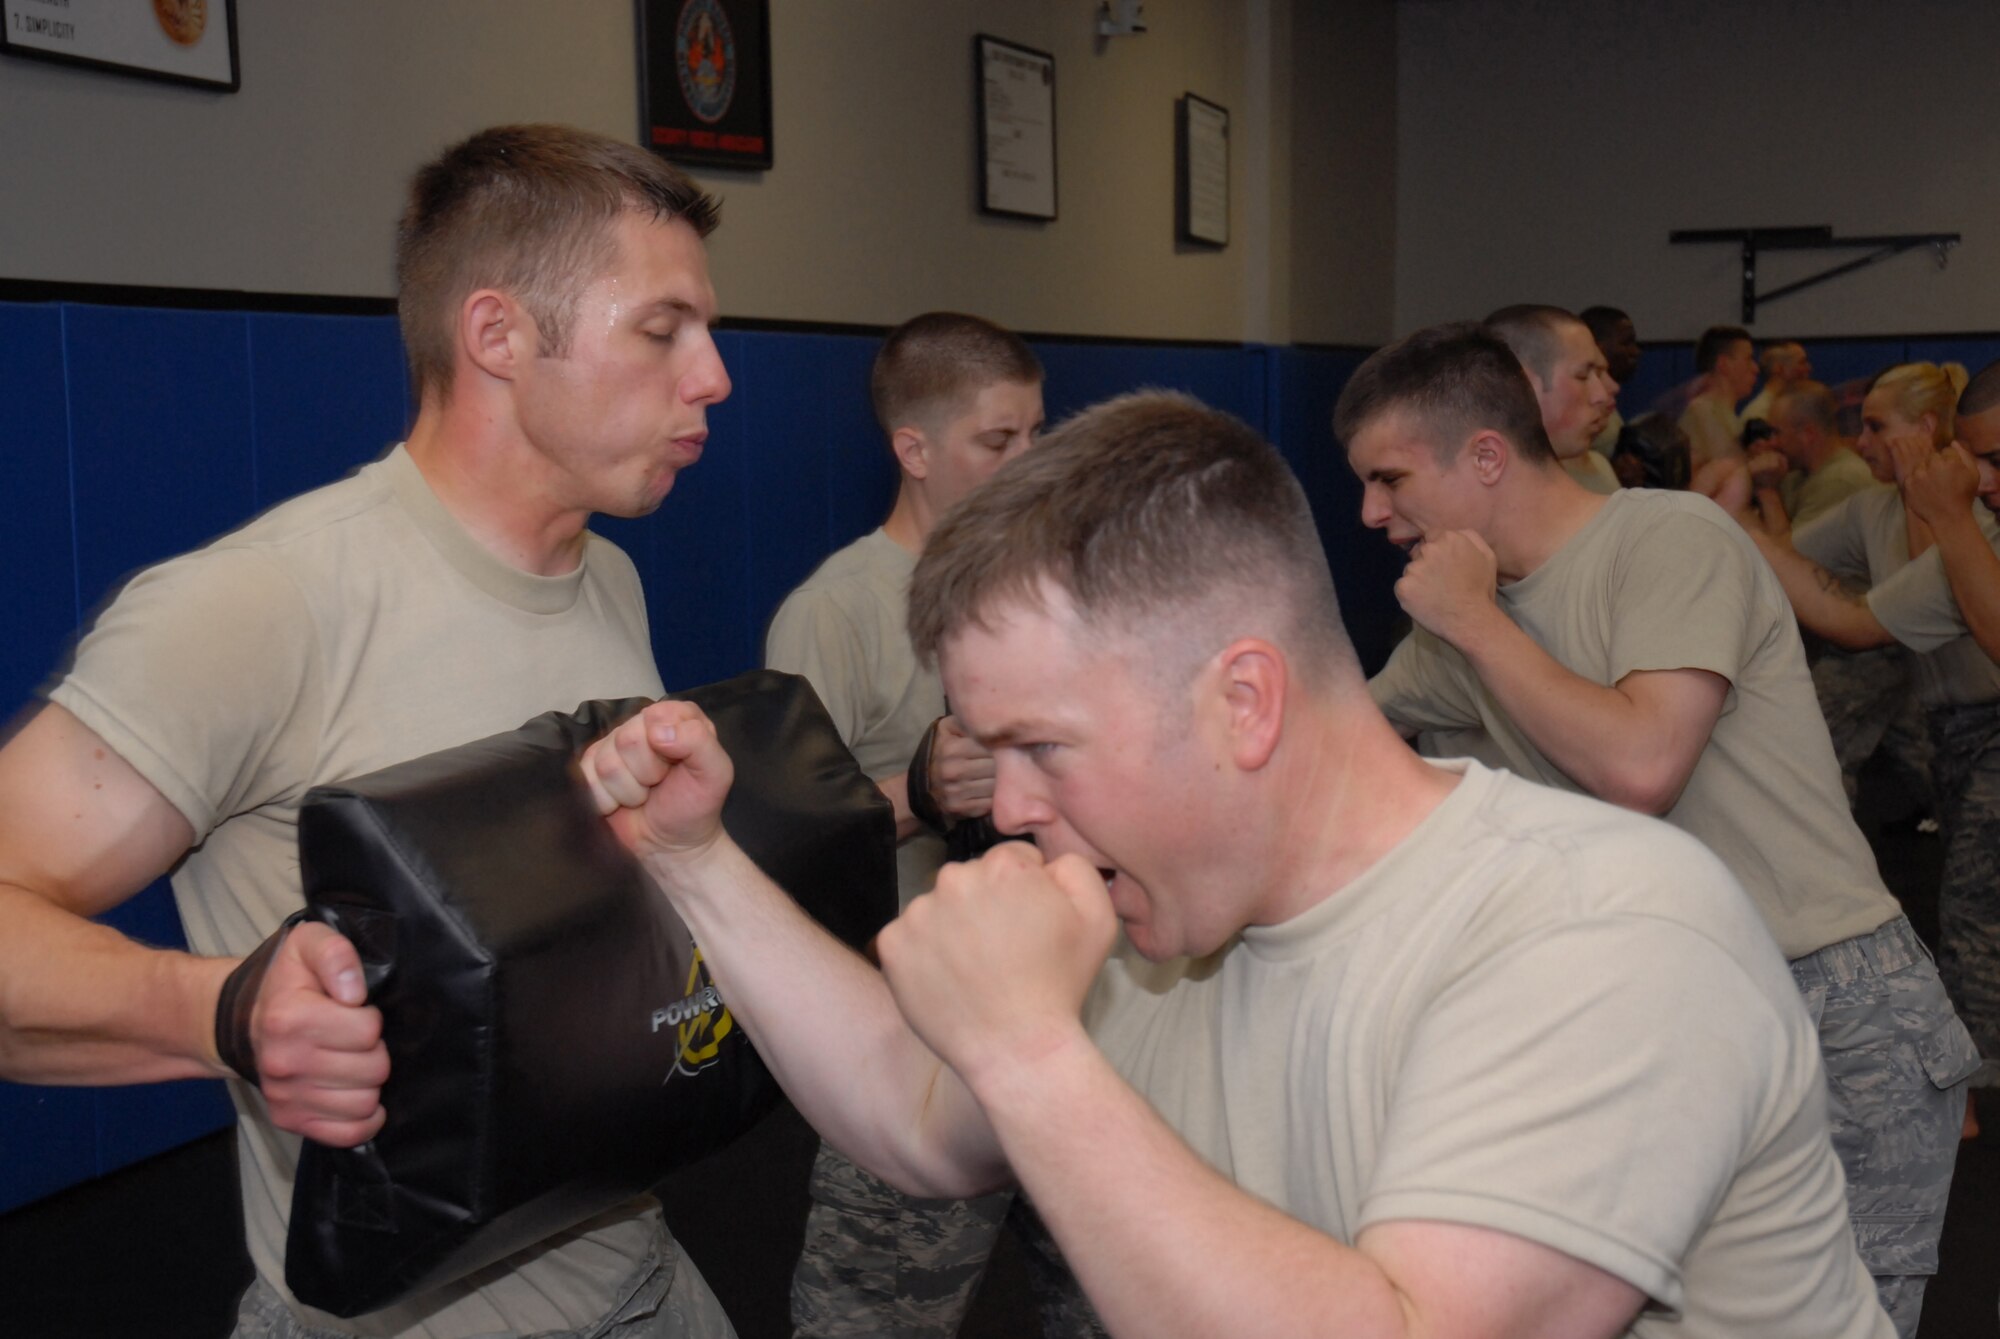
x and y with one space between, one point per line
351 628
1664 581
1540 1015
1713 430
1840 476
845 629
1866 542
1918 608
1593 472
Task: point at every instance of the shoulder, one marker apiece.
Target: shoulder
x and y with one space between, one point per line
1566 861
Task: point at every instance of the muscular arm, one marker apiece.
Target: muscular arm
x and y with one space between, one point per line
1165 1245
1939 489
1633 743
80 832
820 1015
1823 604
1974 571
991 968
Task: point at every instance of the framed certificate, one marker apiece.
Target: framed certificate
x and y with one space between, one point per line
1017 128
182 41
1201 206
705 81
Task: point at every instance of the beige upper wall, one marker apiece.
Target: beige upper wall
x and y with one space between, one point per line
1547 147
293 184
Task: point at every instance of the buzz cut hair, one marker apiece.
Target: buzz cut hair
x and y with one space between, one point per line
1982 392
1158 518
1456 379
1808 402
1601 321
1714 342
930 366
528 210
1533 330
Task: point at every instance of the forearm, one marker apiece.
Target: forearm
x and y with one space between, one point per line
1822 603
824 1020
1597 735
1163 1244
1973 569
82 1004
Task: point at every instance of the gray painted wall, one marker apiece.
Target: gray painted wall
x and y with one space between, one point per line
293 184
1546 148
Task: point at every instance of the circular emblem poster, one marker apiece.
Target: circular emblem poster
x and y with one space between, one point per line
706 68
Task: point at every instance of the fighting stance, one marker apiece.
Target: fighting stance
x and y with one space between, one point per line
1944 604
1572 382
1634 648
555 302
957 397
1381 1051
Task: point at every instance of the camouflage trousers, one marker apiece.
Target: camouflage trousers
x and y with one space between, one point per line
1897 1060
1870 703
1968 784
877 1262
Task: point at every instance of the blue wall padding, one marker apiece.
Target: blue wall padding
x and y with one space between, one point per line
328 393
133 434
1301 389
36 541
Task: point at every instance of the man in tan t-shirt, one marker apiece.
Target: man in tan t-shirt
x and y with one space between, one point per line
1572 384
957 397
1634 648
1382 1051
1727 368
556 304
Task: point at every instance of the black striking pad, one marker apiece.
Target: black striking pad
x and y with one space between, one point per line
555 1044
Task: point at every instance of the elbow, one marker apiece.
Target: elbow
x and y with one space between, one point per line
1648 786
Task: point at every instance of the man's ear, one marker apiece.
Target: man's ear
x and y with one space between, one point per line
496 334
1491 453
912 450
1253 679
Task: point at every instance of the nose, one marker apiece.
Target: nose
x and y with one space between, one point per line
1374 507
1607 390
1019 806
707 382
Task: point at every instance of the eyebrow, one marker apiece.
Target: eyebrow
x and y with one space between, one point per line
680 306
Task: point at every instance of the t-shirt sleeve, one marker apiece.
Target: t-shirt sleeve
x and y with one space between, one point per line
1833 539
202 675
812 636
1689 595
1418 689
1592 1088
1916 605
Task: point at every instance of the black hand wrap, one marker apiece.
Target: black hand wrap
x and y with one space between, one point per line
917 784
233 1043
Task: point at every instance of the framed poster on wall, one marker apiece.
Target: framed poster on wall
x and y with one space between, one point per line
1201 170
181 41
1017 128
705 81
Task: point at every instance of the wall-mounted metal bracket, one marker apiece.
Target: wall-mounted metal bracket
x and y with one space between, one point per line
1815 238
